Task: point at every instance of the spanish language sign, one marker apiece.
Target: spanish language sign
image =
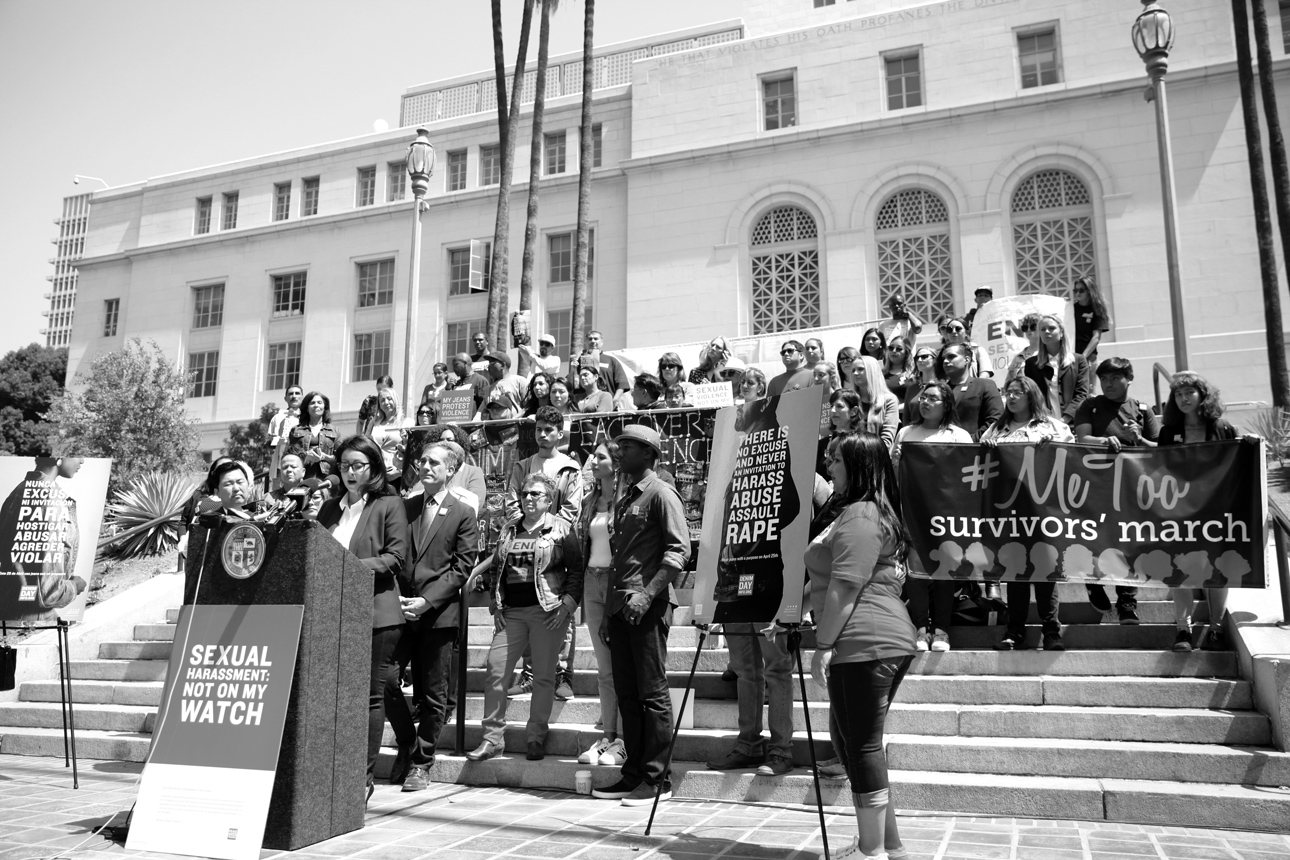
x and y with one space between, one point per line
49 527
209 775
758 510
1184 516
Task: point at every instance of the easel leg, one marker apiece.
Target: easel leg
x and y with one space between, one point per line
794 645
676 729
461 648
69 717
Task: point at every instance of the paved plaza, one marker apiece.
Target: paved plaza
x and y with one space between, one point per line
42 815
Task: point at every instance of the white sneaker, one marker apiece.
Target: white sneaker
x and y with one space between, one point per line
614 754
921 640
853 852
592 756
941 641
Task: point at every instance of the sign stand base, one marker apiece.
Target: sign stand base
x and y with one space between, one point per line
64 691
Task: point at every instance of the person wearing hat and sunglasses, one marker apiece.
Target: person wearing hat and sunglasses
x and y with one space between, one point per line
983 296
545 359
650 549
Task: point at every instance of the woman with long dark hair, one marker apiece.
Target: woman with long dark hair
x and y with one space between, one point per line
873 343
896 367
313 438
922 371
374 527
1092 319
538 393
864 636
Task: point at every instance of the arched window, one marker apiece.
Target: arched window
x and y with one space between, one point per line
785 271
1052 233
913 229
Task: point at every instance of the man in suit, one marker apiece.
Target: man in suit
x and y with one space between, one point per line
443 542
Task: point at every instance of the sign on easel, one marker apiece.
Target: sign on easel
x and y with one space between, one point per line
209 774
757 514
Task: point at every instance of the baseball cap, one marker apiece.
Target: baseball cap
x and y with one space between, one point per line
547 338
987 290
642 434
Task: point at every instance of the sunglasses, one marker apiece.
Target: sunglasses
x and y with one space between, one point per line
534 494
788 352
670 366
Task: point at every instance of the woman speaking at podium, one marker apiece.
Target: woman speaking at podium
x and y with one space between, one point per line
373 526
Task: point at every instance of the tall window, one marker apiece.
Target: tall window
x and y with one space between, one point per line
597 147
820 3
914 259
779 101
371 355
281 201
203 223
559 324
1285 25
904 82
490 165
1052 233
1037 55
309 197
396 180
208 306
457 170
785 271
111 312
459 270
366 190
289 294
562 248
203 370
283 366
375 283
229 221
554 153
458 339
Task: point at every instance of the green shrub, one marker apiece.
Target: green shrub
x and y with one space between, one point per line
1273 425
146 498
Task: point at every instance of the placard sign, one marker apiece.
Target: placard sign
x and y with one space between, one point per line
209 775
712 395
456 406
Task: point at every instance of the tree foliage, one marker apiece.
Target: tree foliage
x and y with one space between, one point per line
30 379
130 407
250 443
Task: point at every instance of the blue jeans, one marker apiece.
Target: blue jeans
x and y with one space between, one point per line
760 665
639 654
525 628
859 697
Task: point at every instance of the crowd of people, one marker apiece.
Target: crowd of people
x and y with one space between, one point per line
609 536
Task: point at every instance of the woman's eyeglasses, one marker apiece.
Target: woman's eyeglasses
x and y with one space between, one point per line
353 467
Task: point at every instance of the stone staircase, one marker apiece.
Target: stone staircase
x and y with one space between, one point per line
1118 728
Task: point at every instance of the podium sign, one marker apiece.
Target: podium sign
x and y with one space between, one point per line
209 776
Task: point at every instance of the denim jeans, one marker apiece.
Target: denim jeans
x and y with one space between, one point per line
430 651
385 673
525 628
761 665
595 591
639 655
859 696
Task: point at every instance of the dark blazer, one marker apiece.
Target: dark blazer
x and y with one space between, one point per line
440 565
380 542
1073 380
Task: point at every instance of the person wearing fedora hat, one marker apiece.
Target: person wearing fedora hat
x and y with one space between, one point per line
650 549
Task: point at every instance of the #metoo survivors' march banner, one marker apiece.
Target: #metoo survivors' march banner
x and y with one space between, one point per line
49 527
1183 516
757 513
209 775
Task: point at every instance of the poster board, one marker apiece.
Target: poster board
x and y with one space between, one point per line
50 518
996 328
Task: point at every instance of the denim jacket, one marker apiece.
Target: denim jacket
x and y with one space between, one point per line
557 563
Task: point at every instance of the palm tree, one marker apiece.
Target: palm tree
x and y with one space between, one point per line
535 173
507 129
584 184
1262 212
1276 143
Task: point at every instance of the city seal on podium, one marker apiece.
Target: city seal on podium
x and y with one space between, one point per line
243 551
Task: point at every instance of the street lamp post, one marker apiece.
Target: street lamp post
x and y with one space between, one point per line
1153 37
420 164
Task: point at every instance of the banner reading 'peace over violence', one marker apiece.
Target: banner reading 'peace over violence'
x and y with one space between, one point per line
1183 516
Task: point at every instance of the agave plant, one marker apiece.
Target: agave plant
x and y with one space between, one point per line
1273 425
150 497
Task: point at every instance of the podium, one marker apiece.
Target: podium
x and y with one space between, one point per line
319 790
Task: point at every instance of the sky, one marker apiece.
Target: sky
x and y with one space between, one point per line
125 90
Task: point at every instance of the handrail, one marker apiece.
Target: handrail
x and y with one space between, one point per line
1158 370
1280 529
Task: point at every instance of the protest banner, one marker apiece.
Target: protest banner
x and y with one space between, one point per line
456 406
1189 516
49 529
712 395
757 511
209 775
996 328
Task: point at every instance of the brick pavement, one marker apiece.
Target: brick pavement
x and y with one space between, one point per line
40 814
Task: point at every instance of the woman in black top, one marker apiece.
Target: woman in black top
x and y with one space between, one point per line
976 398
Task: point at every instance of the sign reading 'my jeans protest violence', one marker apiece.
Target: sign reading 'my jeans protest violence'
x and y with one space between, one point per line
1187 516
49 527
206 785
757 513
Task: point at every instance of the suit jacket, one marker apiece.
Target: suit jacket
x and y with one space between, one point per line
441 562
1072 382
380 542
